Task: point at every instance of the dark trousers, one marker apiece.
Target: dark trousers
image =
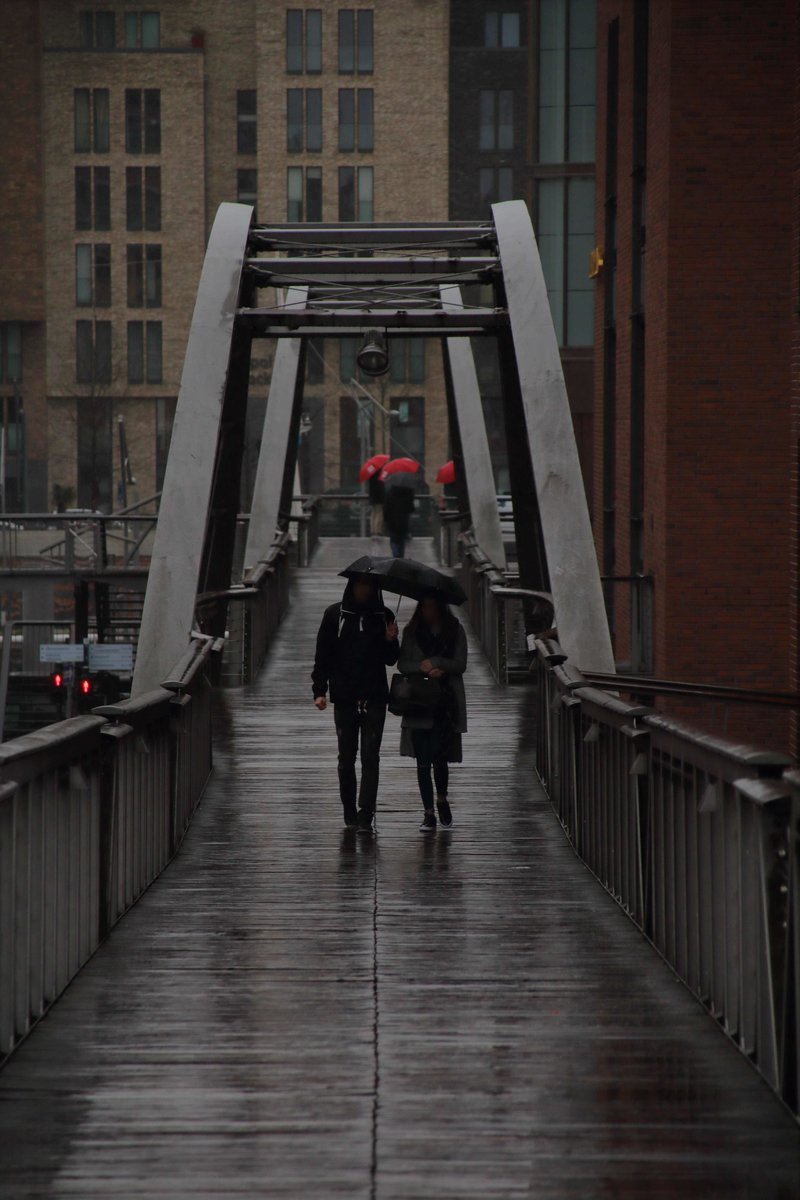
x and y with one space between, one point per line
430 750
365 721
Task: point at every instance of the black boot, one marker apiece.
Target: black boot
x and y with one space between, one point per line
350 816
365 821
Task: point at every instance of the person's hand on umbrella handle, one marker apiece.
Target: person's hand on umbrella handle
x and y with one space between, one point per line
436 673
426 666
391 631
321 703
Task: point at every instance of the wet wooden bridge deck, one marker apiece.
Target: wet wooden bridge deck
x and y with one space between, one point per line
296 1012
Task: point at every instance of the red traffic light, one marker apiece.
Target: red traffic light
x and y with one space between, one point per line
86 686
57 680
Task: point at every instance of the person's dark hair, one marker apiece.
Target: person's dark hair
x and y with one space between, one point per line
448 622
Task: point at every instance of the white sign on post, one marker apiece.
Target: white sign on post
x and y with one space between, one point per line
110 656
61 652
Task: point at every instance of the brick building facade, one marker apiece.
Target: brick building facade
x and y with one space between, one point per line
693 446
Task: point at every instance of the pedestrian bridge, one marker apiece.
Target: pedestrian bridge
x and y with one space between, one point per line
293 1011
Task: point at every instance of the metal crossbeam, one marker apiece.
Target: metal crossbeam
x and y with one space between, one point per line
445 234
442 323
376 269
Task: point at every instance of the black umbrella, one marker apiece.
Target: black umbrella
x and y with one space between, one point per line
407 577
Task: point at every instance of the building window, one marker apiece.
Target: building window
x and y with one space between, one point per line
303 41
143 198
144 352
496 130
501 30
93 275
247 185
93 351
495 184
303 119
408 428
246 141
98 30
356 41
407 360
304 194
144 276
356 119
356 199
565 233
566 80
143 121
142 30
10 352
92 198
315 360
91 115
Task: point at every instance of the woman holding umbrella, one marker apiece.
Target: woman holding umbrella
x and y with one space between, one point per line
434 644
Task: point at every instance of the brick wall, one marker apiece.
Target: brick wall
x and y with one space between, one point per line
718 330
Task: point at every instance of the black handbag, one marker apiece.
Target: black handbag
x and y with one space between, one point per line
411 695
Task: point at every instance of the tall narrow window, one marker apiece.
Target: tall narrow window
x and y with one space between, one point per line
366 131
496 125
566 80
502 30
365 41
152 121
83 197
105 30
550 236
84 352
247 185
102 198
580 239
294 120
153 351
246 140
313 41
347 193
347 41
153 276
365 194
133 198
294 194
83 121
133 120
11 352
495 184
347 119
102 351
582 37
86 30
313 193
152 198
83 275
314 119
151 30
135 352
294 41
102 275
552 80
135 276
102 132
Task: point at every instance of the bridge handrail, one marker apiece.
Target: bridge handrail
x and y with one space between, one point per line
696 838
91 810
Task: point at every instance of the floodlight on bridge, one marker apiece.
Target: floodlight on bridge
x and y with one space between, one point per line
373 357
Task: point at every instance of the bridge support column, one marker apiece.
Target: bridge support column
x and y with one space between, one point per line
274 482
465 403
544 411
213 380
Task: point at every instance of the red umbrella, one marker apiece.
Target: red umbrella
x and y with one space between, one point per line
407 465
372 466
447 473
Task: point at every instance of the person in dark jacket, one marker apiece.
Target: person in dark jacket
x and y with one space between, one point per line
434 644
397 509
357 641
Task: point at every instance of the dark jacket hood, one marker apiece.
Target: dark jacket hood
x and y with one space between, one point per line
349 602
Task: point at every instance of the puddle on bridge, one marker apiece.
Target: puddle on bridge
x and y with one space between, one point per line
295 1012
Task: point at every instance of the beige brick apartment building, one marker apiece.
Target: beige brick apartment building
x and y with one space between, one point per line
130 127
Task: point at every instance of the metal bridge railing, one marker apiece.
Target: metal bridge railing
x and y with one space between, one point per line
256 608
91 810
697 840
69 542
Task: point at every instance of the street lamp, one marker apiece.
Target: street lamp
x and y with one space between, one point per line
373 357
